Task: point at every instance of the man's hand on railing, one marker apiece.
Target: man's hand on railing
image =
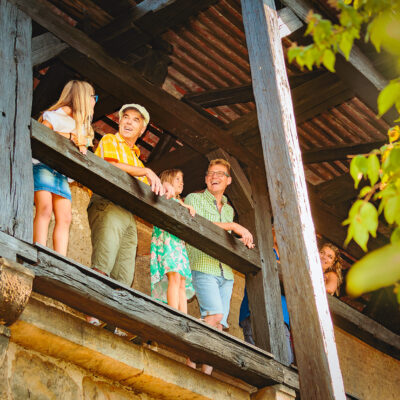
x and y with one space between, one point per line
169 190
246 236
155 183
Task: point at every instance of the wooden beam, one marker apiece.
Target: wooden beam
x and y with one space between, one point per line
263 288
16 177
358 73
334 153
50 87
126 84
312 327
175 159
148 19
91 293
116 185
331 92
45 47
364 328
337 190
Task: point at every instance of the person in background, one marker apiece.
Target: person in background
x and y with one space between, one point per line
331 267
70 117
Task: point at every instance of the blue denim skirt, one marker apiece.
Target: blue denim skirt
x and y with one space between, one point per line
45 178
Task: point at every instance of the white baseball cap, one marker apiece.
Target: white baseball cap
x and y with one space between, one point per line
141 109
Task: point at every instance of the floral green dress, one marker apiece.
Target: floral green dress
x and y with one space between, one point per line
168 254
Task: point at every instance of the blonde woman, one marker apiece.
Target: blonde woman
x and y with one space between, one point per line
331 267
70 117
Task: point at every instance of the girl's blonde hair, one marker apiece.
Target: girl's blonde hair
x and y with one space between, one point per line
169 174
76 94
337 265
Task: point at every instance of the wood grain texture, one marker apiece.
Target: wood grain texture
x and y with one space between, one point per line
312 328
123 82
342 152
94 294
16 177
119 187
17 247
364 328
263 288
45 47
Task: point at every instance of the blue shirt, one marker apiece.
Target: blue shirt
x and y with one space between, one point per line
245 310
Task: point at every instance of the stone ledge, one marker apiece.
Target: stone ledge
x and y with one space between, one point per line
57 334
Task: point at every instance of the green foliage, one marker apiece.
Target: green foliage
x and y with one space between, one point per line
379 170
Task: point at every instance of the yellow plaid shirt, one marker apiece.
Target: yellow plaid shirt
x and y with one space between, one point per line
115 148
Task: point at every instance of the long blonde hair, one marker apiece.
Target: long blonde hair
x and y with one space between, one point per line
76 94
336 266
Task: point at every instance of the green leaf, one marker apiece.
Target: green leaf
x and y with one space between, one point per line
328 60
373 166
360 235
364 191
368 217
391 208
395 237
379 268
388 96
358 168
346 43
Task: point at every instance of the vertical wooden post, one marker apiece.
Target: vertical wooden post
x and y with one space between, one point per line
16 179
263 288
317 359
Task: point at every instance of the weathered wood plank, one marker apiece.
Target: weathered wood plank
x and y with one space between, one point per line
312 328
149 19
263 288
342 152
123 82
116 185
45 47
18 247
364 328
94 294
16 177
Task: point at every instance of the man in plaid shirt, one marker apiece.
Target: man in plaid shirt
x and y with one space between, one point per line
213 280
114 235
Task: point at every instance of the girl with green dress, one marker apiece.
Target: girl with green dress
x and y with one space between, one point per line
171 277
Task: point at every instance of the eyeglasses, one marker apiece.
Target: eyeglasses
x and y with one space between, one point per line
96 97
218 174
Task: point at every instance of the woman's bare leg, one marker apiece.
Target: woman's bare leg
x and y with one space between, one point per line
44 209
182 296
174 281
63 215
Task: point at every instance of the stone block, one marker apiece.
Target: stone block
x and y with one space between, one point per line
15 289
36 379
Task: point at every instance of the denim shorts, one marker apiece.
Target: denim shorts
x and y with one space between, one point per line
214 294
45 178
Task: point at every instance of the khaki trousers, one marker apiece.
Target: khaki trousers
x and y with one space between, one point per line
114 239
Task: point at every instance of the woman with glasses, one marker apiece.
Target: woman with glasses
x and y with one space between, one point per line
70 117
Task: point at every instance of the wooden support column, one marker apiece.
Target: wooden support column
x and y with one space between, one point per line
263 287
317 359
16 178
